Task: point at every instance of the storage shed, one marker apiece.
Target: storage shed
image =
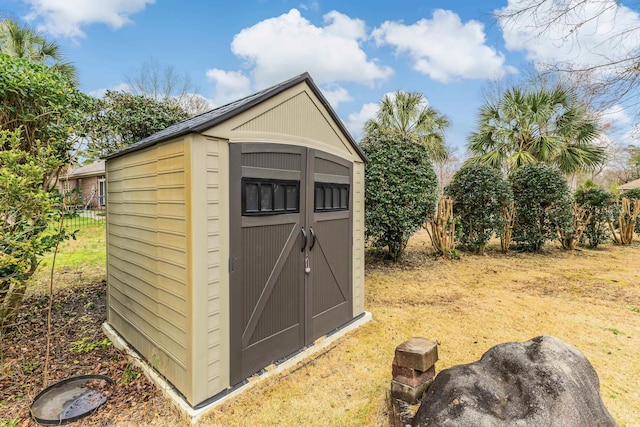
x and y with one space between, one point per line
236 238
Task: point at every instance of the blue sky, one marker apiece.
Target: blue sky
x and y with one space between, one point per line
356 51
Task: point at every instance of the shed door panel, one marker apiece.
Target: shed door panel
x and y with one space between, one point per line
267 299
277 308
329 215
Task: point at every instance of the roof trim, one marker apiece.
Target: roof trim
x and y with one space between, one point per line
218 115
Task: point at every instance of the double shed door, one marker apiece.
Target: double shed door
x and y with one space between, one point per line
291 246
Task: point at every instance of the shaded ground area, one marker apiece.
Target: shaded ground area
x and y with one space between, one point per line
78 348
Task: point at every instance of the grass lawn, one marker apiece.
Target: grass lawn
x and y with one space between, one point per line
78 261
588 298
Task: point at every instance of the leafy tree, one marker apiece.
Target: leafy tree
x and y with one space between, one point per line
601 204
634 163
26 211
40 109
479 193
546 125
543 204
120 119
45 105
408 113
400 189
22 41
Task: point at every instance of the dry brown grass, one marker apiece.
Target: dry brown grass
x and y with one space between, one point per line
587 298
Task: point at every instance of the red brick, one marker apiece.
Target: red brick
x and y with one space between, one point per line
416 377
417 353
407 393
409 372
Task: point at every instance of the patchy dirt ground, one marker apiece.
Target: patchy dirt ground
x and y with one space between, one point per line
78 348
588 298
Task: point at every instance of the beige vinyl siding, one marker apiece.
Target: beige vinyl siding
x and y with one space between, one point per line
146 250
209 255
217 155
358 238
294 117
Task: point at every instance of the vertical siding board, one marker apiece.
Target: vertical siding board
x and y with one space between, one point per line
217 275
197 260
358 238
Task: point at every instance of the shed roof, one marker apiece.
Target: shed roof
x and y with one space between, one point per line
218 115
630 185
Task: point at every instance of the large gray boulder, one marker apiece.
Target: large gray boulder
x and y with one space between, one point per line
541 382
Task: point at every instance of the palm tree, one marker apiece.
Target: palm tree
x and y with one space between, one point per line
548 125
410 114
21 41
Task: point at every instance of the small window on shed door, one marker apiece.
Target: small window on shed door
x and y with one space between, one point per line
270 196
331 197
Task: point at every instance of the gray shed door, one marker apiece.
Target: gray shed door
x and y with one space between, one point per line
291 241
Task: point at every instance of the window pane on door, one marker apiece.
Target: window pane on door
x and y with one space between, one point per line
319 201
266 198
331 197
278 197
251 197
292 198
269 196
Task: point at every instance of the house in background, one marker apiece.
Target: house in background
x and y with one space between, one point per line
89 183
629 185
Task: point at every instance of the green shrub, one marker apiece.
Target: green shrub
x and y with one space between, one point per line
542 202
601 204
400 190
479 193
26 210
40 110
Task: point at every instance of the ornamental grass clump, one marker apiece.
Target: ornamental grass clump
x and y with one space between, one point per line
601 204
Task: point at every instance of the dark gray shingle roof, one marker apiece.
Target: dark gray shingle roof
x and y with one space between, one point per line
218 115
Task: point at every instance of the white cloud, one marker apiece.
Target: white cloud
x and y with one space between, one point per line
313 5
609 30
615 116
278 48
120 87
444 48
230 85
335 95
356 120
66 17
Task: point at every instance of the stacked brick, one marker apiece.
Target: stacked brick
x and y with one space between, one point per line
413 369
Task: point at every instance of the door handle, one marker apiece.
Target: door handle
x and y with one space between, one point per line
304 237
313 238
